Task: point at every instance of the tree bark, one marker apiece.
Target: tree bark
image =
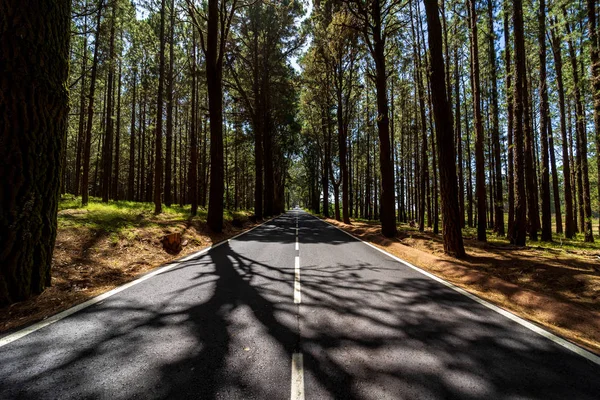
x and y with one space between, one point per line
595 73
193 167
545 187
81 133
90 113
519 228
583 173
387 215
555 190
479 158
131 172
498 195
116 163
158 152
109 125
34 105
214 82
169 131
453 243
558 64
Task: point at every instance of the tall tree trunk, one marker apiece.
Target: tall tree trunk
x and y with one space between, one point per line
193 167
326 164
110 121
269 179
342 124
558 64
423 123
469 164
90 113
457 124
531 186
158 153
498 196
169 132
519 228
583 174
35 104
595 72
479 159
555 190
115 181
509 118
387 216
453 243
81 132
131 172
545 187
214 82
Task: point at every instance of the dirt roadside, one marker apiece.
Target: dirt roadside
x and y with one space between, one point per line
559 291
88 262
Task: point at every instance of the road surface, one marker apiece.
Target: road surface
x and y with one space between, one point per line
294 309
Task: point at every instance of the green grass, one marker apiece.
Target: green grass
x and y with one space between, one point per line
121 216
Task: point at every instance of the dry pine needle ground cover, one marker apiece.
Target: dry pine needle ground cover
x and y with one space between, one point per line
102 246
555 285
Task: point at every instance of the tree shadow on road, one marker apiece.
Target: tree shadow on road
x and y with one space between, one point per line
224 325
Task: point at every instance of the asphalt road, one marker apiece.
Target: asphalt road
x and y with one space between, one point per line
284 312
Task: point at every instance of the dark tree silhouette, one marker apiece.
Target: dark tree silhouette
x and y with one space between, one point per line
33 121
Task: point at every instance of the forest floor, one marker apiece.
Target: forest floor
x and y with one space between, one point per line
555 285
102 246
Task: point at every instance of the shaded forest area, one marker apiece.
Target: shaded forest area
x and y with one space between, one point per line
521 83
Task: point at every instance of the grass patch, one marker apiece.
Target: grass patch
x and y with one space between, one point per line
119 216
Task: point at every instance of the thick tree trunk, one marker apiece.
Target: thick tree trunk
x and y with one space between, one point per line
34 105
214 82
453 243
387 215
269 180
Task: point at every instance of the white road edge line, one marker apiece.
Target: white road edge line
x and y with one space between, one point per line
297 292
70 311
548 335
297 392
